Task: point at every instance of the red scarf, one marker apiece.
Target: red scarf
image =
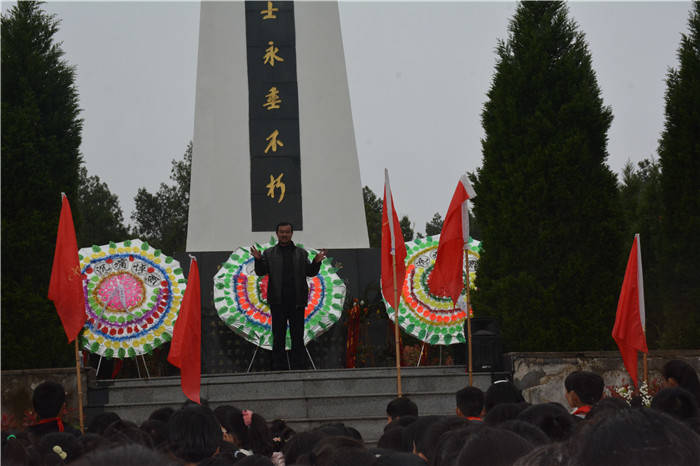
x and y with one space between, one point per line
58 421
582 410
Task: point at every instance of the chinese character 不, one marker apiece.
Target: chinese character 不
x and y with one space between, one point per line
271 54
270 12
273 98
276 183
274 142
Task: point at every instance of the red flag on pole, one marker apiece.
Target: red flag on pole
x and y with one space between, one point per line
66 284
628 331
446 277
392 245
186 346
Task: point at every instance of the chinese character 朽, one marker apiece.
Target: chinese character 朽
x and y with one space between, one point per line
274 142
273 98
270 12
271 54
276 183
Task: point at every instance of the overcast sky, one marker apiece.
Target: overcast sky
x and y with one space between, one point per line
418 74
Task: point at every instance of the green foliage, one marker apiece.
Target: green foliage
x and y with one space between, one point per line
639 195
161 218
547 204
373 215
434 226
101 217
41 135
679 154
406 228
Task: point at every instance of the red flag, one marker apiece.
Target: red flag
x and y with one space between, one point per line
446 277
66 285
392 245
628 331
186 346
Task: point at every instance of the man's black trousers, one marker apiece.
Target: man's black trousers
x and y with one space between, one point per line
281 313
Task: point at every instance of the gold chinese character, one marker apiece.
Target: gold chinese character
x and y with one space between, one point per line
276 183
273 98
274 142
271 54
270 12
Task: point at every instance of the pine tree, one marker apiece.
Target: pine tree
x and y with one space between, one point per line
161 218
373 216
679 154
434 226
101 216
552 258
41 135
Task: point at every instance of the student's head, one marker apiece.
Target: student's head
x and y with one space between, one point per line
450 444
101 421
325 451
301 444
504 412
470 402
607 407
526 430
583 388
123 432
681 374
426 444
677 402
132 455
552 418
157 431
48 399
501 391
493 446
194 433
162 414
413 432
401 406
642 437
233 428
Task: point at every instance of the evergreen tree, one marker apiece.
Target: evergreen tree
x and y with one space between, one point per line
373 216
434 226
41 135
161 218
547 203
101 217
406 228
679 154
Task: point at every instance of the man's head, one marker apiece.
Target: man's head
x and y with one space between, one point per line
401 406
583 388
284 232
470 402
194 433
48 399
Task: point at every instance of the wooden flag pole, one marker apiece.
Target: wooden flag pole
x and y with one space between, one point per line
396 327
469 319
80 387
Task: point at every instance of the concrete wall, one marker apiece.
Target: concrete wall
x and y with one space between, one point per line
220 204
541 375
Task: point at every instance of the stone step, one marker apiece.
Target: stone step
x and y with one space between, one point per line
305 399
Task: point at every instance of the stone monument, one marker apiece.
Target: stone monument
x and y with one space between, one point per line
273 135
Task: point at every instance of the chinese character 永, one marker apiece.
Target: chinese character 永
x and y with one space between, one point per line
269 13
273 98
276 183
273 141
271 54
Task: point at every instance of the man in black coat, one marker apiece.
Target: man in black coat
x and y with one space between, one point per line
287 292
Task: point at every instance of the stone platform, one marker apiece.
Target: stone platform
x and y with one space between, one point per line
305 399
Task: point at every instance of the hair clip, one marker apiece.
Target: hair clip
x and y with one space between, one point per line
11 436
59 451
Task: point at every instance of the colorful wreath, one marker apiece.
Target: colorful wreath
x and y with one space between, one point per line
430 318
132 298
240 298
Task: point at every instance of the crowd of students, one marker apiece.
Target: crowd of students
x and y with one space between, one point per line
496 427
